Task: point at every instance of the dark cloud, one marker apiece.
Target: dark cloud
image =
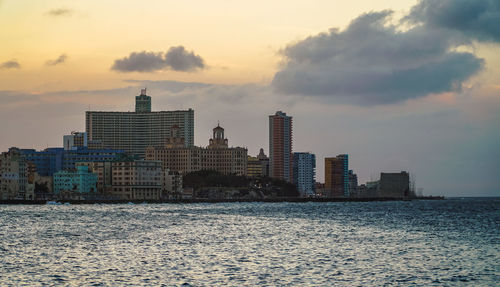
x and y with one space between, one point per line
12 64
60 12
373 62
60 60
177 59
477 19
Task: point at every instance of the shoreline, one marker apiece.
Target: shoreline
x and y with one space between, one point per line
204 200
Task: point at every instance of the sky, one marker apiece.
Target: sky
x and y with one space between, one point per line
396 84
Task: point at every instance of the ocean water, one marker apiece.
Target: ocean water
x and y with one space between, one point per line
453 242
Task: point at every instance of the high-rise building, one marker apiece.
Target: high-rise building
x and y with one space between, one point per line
280 146
133 132
337 175
143 102
304 173
216 156
353 182
264 162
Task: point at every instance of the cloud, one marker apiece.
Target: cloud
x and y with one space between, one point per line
177 59
60 60
12 64
60 12
373 62
478 19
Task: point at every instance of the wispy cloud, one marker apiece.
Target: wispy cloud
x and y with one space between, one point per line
12 64
60 60
60 12
176 59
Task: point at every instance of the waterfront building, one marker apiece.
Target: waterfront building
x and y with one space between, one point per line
395 185
280 146
52 160
16 176
337 175
264 162
79 181
216 156
134 131
128 178
172 183
254 167
353 182
304 173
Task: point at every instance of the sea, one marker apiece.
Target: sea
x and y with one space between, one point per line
451 242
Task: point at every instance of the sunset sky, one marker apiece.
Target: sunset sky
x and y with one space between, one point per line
397 85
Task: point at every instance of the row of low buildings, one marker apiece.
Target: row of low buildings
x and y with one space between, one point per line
143 155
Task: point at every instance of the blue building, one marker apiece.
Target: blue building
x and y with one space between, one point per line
80 180
52 160
304 173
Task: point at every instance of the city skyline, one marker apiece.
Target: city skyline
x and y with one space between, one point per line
445 132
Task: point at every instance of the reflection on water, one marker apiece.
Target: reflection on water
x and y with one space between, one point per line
450 242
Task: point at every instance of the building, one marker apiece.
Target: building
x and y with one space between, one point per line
254 167
75 140
264 162
395 185
216 156
172 183
128 178
78 140
143 102
133 132
353 182
280 146
337 175
304 173
16 176
77 181
52 160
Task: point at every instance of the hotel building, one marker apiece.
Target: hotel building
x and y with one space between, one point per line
304 173
216 156
133 132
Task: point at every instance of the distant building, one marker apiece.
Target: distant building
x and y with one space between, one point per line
172 183
133 132
337 175
16 176
304 173
395 185
254 167
52 160
78 140
143 102
280 146
353 182
80 180
128 178
216 156
264 162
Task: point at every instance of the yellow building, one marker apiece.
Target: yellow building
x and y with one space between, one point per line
254 167
217 156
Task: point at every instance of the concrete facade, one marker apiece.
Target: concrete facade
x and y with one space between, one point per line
304 173
133 132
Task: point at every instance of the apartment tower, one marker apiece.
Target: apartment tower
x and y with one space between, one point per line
280 146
